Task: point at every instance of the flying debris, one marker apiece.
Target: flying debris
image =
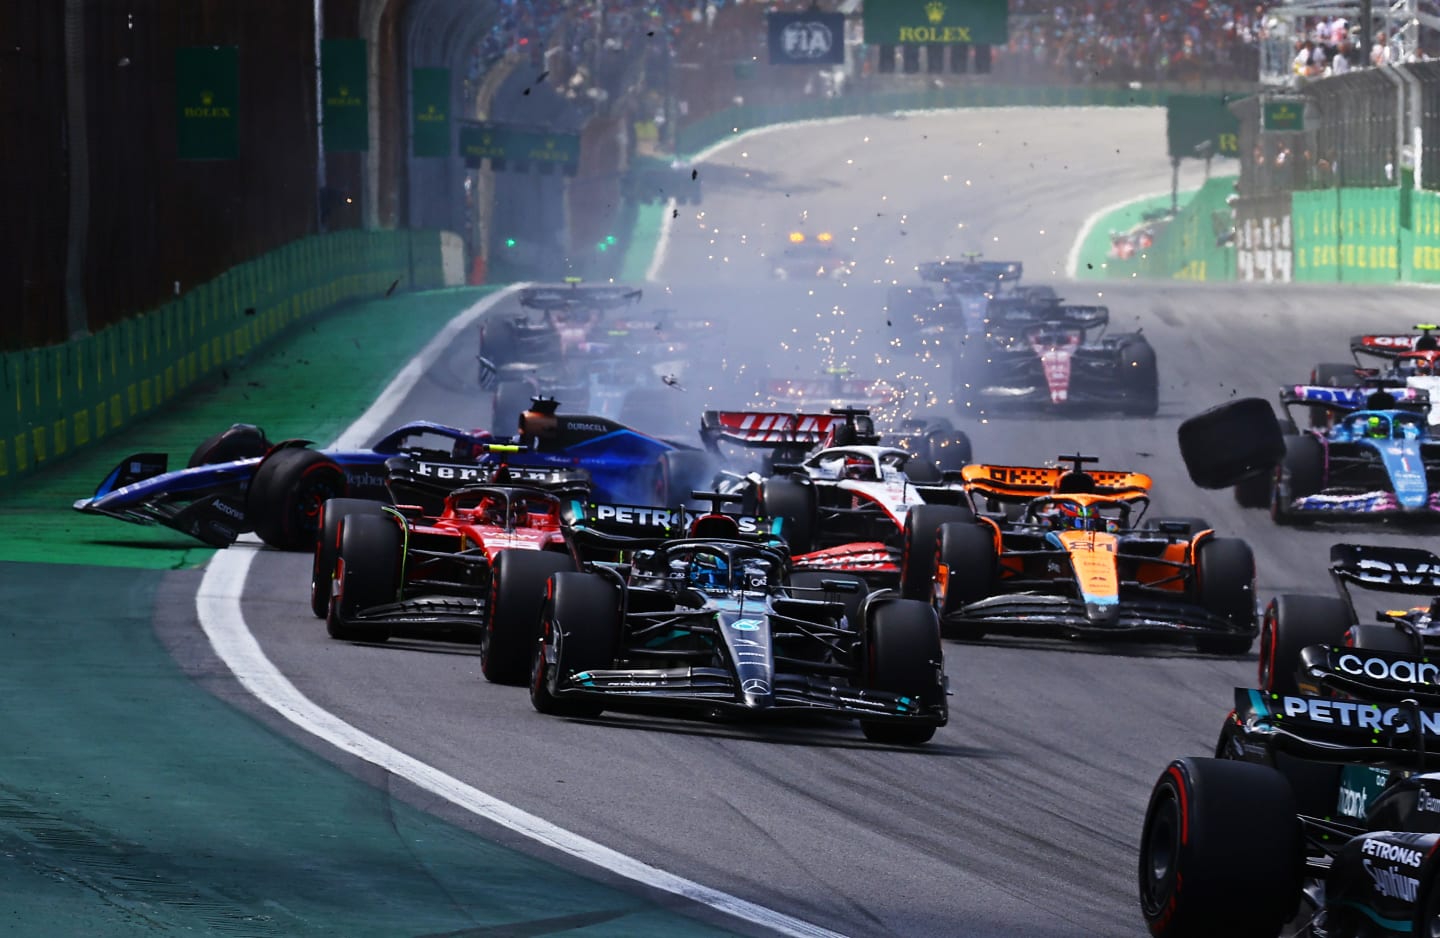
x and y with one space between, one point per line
671 381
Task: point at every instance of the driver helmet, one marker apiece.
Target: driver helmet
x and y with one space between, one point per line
709 572
1072 516
1377 427
858 467
1424 365
491 511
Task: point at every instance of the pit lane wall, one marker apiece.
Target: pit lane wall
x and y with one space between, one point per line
63 397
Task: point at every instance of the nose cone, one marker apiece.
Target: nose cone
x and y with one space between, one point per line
1103 613
757 694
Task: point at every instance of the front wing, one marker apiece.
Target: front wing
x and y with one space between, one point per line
1044 616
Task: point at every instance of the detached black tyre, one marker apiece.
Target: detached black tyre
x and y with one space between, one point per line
368 575
903 656
1256 490
284 499
917 561
1225 571
964 572
582 626
1221 852
794 503
327 546
517 597
1294 621
239 441
1141 379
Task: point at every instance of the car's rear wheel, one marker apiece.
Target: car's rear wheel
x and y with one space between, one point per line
1301 474
1221 852
918 549
793 502
327 546
1294 621
1225 574
582 627
284 499
367 574
964 573
1255 491
238 441
517 598
682 471
903 656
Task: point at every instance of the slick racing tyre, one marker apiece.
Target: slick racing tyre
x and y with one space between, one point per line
239 441
367 574
964 572
1142 379
1301 474
581 624
327 545
517 596
283 503
1255 491
793 502
811 583
1293 621
1221 852
902 655
917 559
1225 575
682 471
1231 441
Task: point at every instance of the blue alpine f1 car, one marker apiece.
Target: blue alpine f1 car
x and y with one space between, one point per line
238 481
1371 457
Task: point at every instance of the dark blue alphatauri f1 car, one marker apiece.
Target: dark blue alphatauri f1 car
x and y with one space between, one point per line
1375 459
238 481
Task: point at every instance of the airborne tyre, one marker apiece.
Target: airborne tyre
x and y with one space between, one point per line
1231 441
367 574
1294 621
1225 574
582 625
1221 852
284 499
964 573
517 598
793 502
239 441
327 546
917 559
903 656
1142 384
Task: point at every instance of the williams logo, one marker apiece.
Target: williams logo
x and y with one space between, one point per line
207 108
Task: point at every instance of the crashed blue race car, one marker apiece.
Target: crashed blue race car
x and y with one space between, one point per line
237 481
1371 457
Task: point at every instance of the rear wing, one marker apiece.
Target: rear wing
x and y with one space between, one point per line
1385 732
1389 346
1022 483
946 271
1361 397
1028 311
776 429
1386 569
575 296
635 527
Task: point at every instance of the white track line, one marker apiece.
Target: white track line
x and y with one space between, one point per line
1072 260
221 616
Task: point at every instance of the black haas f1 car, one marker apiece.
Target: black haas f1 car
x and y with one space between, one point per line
1044 353
1407 360
1078 562
717 623
844 499
955 298
1321 814
525 355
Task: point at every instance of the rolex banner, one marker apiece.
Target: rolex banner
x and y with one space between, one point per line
430 111
916 22
207 103
807 38
345 86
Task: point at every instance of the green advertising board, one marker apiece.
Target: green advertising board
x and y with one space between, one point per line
515 148
207 102
1200 125
430 111
910 22
345 88
1283 115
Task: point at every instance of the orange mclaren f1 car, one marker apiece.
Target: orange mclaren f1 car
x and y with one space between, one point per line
1063 552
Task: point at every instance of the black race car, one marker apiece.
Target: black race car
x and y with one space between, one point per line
954 298
1045 353
716 623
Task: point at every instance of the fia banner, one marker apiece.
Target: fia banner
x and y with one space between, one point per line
807 38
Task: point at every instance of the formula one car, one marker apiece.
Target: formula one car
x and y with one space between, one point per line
719 625
237 481
1409 360
1045 353
1376 461
812 257
960 303
1079 563
845 501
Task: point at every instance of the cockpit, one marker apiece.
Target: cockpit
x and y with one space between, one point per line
1383 426
861 465
712 568
509 509
1415 364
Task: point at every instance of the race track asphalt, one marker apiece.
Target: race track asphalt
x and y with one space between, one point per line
1022 818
